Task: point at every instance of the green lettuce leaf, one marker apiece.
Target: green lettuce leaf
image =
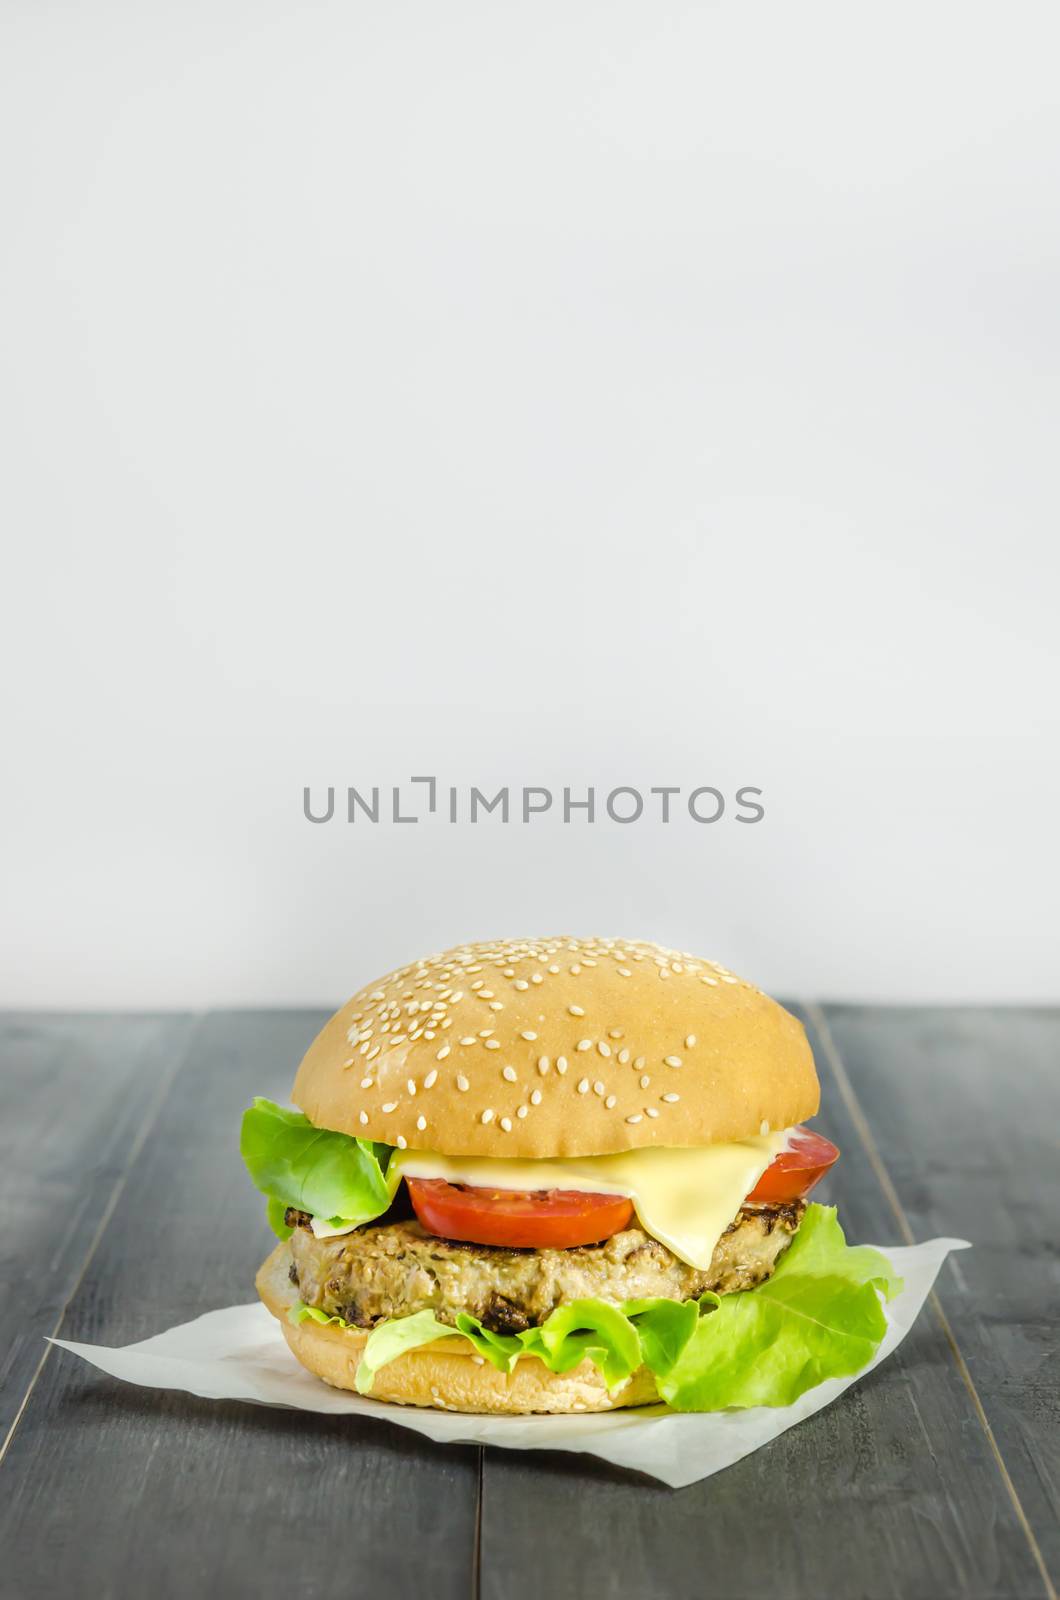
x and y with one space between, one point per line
392 1339
586 1328
300 1312
819 1316
820 1247
664 1328
276 1211
501 1349
327 1174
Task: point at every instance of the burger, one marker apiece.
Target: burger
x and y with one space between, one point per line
560 1175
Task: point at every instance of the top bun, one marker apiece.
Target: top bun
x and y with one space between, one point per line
538 1048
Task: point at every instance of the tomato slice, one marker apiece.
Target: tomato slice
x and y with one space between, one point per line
795 1171
531 1219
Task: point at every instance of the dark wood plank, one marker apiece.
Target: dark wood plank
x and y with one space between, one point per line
76 1093
963 1107
892 1492
123 1492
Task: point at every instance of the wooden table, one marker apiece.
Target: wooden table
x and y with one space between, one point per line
126 1209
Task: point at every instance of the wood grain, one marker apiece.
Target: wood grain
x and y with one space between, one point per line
121 1174
76 1094
893 1491
115 1491
963 1107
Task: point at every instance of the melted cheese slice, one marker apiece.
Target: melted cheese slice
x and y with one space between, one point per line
684 1198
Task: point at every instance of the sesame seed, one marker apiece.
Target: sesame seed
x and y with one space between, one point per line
727 977
366 1083
535 1098
487 1115
651 1111
614 1033
520 983
535 977
391 1105
599 1088
576 1011
611 1102
543 1064
672 1061
561 1065
644 1082
431 1079
509 1073
421 1123
624 972
603 1047
522 1111
636 1117
496 1005
585 1044
469 1039
639 1062
763 1128
506 1124
690 1042
528 1033
671 1099
492 1044
402 1142
374 1051
462 1083
623 1056
583 1086
363 1118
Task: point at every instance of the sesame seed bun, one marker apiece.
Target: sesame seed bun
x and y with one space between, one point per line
446 1374
542 1048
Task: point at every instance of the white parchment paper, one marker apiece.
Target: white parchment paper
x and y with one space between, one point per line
240 1354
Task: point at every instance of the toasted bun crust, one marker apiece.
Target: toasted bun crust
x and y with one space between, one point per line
541 1048
446 1374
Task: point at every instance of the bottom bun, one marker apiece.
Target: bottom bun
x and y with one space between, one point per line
447 1374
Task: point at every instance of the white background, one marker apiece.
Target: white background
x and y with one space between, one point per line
568 393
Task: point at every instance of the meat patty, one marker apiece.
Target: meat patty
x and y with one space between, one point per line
376 1272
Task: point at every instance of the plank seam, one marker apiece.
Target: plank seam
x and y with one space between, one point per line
476 1565
151 1114
857 1115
